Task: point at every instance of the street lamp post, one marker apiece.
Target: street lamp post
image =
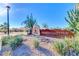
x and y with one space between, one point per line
8 8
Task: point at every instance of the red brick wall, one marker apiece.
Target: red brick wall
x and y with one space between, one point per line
57 33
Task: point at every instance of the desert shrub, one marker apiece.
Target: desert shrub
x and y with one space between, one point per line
6 40
36 43
6 50
17 41
7 53
12 41
75 46
60 47
66 46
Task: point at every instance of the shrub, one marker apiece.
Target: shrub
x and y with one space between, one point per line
36 43
6 40
6 50
66 46
17 41
60 47
7 53
75 46
12 41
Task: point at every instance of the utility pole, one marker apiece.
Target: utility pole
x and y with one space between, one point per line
8 8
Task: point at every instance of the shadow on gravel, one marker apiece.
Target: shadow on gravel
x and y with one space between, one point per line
0 53
23 50
45 51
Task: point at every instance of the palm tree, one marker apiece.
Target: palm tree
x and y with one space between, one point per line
29 22
3 27
73 19
45 26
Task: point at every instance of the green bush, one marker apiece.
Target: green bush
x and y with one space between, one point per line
75 46
66 46
17 41
36 43
12 41
6 40
60 47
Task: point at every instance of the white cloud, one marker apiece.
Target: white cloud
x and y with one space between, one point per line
2 10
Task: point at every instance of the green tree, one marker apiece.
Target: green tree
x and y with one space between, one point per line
73 20
3 27
29 22
45 26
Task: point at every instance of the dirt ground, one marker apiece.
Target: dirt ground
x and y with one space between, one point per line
13 34
44 49
28 47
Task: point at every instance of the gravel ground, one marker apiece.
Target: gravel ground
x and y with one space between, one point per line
23 50
26 48
27 51
43 50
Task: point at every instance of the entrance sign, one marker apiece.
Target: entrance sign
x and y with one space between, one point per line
55 33
36 30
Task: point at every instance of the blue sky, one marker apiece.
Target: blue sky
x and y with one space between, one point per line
52 14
